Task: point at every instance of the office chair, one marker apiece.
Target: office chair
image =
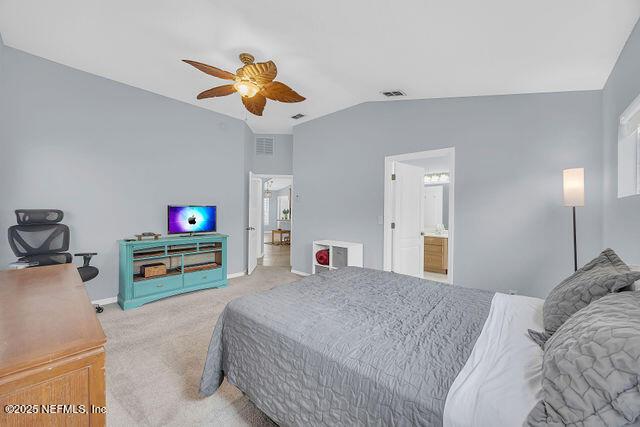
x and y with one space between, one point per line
40 238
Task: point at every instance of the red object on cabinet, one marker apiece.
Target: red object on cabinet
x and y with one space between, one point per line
322 256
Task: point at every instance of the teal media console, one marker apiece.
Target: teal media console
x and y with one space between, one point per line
192 263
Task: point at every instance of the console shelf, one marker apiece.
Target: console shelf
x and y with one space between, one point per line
201 267
172 254
149 254
140 278
193 263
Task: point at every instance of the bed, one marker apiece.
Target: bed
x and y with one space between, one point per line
365 347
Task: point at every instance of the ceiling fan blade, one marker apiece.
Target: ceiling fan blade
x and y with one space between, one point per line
217 91
261 72
212 71
281 92
255 104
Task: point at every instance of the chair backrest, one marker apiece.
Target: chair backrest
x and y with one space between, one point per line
39 234
38 216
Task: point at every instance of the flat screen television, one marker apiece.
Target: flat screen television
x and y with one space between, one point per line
191 219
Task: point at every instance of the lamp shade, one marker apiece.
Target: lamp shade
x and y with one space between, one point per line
573 185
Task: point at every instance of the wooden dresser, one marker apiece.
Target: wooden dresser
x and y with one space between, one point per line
51 350
436 254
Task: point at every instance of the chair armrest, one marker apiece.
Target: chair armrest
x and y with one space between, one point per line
86 257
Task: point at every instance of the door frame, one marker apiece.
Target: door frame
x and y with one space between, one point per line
262 176
258 228
449 152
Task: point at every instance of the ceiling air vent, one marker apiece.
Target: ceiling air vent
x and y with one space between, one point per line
393 93
264 145
297 116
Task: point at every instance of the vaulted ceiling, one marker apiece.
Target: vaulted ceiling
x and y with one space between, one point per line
336 53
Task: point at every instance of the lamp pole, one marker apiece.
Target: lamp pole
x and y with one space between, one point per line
575 245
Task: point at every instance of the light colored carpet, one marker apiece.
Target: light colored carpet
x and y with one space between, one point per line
155 356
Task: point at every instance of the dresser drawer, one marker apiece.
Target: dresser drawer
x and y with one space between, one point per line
433 250
438 241
203 276
434 261
155 286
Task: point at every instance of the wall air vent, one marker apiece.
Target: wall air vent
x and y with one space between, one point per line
297 116
264 145
393 93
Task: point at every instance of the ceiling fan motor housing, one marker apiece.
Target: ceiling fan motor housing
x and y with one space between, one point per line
246 58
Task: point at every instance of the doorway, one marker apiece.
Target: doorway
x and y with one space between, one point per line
270 221
419 214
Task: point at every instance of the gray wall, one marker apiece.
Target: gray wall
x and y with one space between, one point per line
621 216
112 157
281 161
2 48
511 229
99 149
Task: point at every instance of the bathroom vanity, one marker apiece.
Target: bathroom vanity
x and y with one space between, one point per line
436 253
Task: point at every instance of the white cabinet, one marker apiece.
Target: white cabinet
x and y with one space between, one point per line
341 254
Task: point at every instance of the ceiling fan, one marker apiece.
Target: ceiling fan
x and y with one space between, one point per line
253 81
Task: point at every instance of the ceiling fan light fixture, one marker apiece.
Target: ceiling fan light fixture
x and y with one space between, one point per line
246 89
254 82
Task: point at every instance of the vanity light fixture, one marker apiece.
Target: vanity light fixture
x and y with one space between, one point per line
436 178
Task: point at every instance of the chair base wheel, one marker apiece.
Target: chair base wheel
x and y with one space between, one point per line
99 309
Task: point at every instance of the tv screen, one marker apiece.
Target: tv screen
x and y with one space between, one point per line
191 219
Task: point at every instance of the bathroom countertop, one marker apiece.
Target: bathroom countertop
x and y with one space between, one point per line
444 235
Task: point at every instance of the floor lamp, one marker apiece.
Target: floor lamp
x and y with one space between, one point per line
573 186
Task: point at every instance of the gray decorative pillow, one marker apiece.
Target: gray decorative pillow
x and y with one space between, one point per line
603 275
591 367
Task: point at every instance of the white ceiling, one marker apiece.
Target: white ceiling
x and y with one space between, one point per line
277 183
431 164
336 53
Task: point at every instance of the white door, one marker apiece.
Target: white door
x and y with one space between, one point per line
433 195
255 205
408 240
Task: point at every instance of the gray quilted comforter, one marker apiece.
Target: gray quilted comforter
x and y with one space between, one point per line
347 347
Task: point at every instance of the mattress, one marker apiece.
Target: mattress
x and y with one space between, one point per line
502 379
348 347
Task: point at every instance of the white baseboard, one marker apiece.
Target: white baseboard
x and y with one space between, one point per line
105 301
299 273
234 275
